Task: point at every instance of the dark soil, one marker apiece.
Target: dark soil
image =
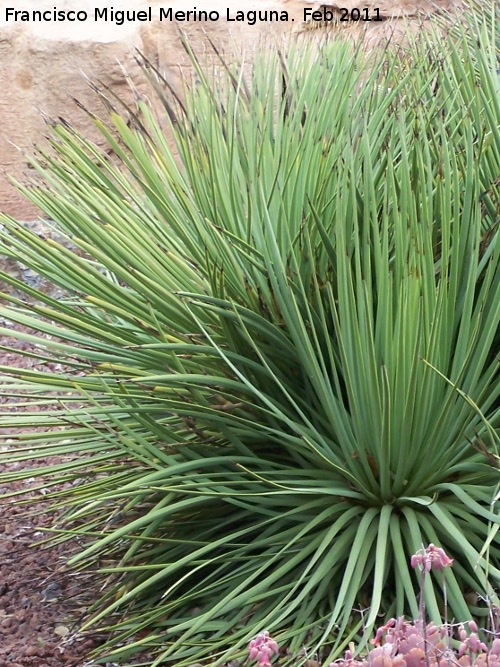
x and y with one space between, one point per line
41 600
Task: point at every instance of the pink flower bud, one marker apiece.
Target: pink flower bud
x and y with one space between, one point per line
431 558
416 560
263 657
262 647
438 557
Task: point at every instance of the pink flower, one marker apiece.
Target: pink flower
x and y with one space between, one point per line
262 648
381 631
471 643
432 558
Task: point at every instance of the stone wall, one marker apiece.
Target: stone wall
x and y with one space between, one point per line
44 65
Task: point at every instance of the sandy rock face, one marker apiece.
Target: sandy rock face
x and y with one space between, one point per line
43 63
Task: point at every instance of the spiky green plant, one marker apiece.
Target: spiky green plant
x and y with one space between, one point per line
280 347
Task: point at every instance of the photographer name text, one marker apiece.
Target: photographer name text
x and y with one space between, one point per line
168 14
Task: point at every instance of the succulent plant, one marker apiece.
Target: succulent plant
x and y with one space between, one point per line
279 349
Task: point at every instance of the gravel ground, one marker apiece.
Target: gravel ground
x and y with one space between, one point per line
41 601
